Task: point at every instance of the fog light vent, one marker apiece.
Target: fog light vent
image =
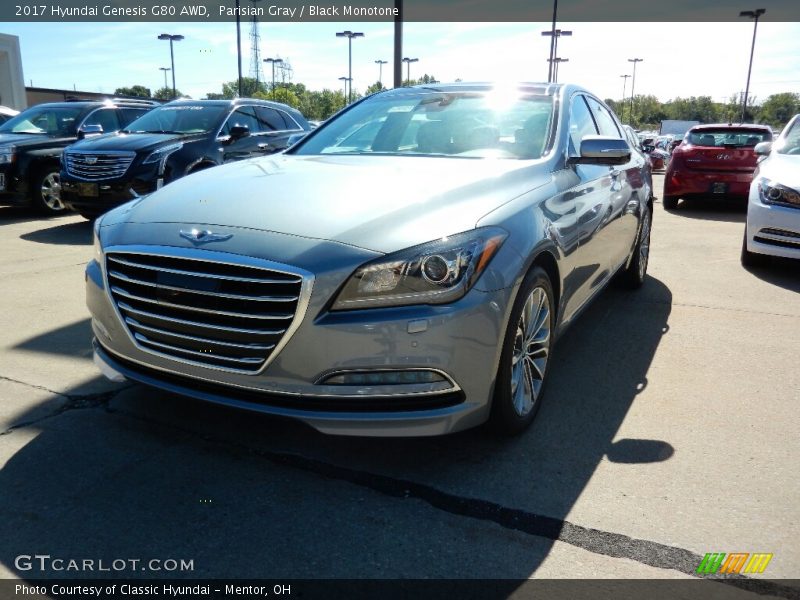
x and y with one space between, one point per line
409 376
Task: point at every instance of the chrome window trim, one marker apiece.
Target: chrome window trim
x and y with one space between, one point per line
202 255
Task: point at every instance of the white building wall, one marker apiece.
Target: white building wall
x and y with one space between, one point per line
12 81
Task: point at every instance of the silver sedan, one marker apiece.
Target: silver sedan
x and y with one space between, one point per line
403 270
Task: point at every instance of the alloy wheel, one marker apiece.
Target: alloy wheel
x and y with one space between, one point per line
51 192
531 352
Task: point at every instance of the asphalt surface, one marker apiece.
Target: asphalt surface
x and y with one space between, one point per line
669 430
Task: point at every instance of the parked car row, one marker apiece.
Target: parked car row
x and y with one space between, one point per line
404 269
93 156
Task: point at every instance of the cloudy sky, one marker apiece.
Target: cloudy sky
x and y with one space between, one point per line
680 59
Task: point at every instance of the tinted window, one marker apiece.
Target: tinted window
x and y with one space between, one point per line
180 118
466 124
270 119
246 116
129 115
728 136
48 120
290 122
605 122
106 118
580 124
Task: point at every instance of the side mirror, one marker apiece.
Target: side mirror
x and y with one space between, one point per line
763 148
239 131
600 150
87 130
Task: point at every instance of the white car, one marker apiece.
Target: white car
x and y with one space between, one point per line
773 207
6 113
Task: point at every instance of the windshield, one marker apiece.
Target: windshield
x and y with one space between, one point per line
44 120
728 137
789 142
187 118
462 124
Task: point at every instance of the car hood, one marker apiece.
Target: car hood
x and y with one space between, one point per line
130 141
378 203
782 168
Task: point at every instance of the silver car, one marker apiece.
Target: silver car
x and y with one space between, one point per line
403 270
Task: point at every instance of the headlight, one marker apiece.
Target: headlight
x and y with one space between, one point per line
7 154
775 193
98 249
433 273
162 153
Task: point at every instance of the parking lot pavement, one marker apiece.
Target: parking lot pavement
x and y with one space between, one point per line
669 430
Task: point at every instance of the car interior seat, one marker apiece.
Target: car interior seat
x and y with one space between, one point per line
707 140
530 140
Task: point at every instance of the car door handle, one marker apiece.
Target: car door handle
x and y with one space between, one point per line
263 146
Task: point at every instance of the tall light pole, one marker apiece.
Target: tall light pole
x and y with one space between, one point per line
624 85
556 62
633 84
554 34
346 80
165 69
380 64
238 50
273 61
750 14
408 62
171 38
350 35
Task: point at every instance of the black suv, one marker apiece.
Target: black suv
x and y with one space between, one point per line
31 144
173 140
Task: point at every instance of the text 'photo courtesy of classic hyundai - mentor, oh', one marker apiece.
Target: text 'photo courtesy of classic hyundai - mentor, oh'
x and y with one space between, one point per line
403 270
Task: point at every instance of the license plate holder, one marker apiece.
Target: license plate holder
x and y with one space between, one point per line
88 190
719 188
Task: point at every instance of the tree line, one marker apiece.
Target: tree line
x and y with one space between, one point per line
314 104
648 111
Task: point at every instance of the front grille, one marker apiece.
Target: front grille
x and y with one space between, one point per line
216 314
96 165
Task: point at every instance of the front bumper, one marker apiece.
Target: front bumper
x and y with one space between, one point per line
684 182
772 229
460 340
98 196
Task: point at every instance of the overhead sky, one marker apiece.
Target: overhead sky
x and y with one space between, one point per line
680 59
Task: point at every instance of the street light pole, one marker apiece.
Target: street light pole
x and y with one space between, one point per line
624 85
171 38
165 69
751 14
633 85
380 64
346 80
408 62
552 76
239 50
557 61
350 35
273 61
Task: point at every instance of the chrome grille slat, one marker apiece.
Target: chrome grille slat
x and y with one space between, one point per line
196 274
255 360
90 165
238 330
121 292
188 308
203 292
135 324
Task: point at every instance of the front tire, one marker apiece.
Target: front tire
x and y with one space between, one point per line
46 191
633 277
527 343
752 259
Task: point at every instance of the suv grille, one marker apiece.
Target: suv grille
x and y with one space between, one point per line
215 314
92 165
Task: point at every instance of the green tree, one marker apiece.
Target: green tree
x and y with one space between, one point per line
138 91
249 88
165 93
778 109
374 88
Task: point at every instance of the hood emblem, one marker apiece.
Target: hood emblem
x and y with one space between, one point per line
203 236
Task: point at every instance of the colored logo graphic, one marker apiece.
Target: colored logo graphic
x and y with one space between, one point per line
734 563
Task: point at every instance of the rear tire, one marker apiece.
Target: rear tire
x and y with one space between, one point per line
670 202
527 344
752 259
46 191
632 278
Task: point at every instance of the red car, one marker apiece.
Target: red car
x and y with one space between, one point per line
713 160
